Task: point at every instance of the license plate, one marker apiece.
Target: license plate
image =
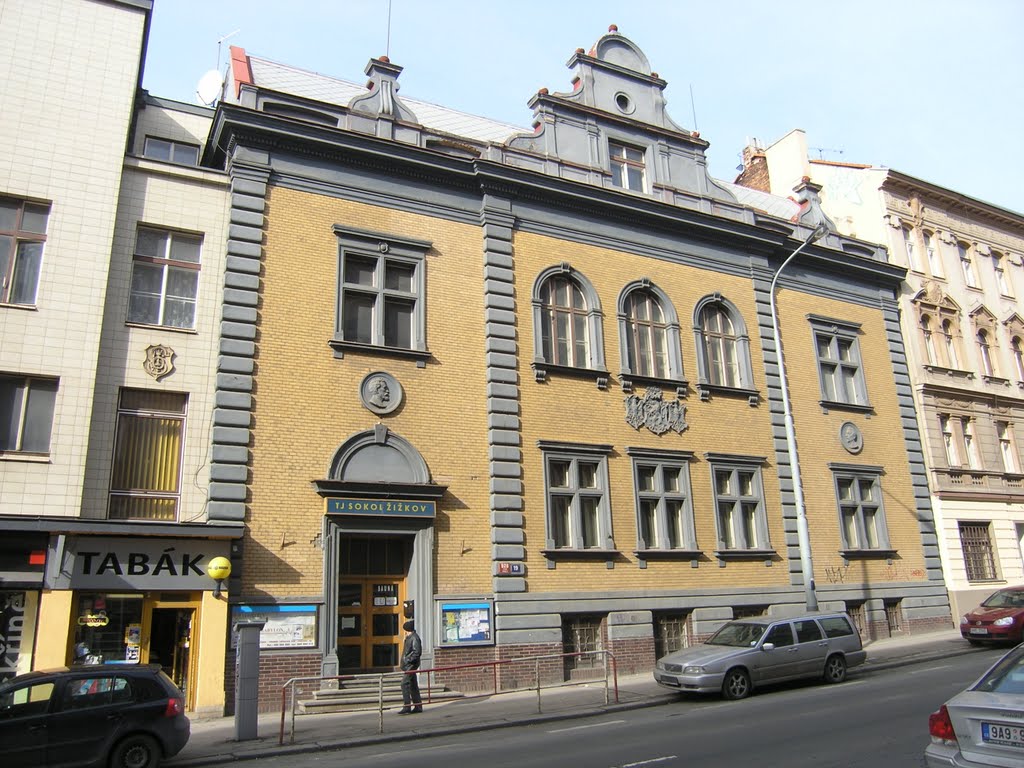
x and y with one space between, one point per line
979 631
1008 735
669 680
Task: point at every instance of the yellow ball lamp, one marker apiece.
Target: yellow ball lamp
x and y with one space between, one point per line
218 569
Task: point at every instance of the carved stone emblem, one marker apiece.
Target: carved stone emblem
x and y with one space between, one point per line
655 413
380 392
159 361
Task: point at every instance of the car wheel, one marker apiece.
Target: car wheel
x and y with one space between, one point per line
136 751
835 669
736 684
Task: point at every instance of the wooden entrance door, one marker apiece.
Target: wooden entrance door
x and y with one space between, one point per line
369 623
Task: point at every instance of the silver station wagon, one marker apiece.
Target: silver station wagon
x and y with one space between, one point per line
751 652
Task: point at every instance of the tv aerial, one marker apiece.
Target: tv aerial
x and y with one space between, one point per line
211 84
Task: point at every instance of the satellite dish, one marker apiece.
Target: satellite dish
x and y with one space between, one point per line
209 88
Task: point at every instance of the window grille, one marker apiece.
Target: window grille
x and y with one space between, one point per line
976 542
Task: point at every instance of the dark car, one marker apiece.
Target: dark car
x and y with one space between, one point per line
999 619
94 715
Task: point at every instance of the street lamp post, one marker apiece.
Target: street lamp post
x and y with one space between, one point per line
803 536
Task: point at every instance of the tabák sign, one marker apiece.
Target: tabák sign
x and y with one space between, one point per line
108 563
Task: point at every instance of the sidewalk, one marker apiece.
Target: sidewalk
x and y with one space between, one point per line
213 740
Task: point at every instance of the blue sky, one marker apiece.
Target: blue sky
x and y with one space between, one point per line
932 88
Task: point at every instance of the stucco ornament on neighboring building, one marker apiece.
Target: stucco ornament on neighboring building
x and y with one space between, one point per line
380 392
159 361
657 414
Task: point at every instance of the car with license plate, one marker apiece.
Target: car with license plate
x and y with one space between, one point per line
983 725
999 619
121 716
747 653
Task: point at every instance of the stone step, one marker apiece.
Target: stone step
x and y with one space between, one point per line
354 700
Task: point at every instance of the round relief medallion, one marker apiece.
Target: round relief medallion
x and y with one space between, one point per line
380 392
850 437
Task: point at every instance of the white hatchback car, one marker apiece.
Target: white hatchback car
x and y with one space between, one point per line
750 652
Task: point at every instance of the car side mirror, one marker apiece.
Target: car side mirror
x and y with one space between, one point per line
768 647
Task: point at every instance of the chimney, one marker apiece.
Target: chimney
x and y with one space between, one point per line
754 173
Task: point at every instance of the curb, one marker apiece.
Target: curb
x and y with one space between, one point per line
273 749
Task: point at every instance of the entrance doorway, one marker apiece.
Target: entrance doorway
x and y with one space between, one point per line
170 642
371 591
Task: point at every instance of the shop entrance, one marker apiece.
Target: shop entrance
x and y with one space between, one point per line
170 622
371 590
170 643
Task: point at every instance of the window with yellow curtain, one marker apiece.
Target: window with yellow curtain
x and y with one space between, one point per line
146 476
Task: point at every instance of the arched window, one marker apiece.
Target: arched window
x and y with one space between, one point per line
929 341
984 349
563 329
723 347
566 322
949 341
1018 357
649 333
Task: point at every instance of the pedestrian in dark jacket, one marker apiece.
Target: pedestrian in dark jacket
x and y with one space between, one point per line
412 649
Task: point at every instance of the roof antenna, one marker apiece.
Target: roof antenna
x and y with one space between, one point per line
693 108
220 41
387 47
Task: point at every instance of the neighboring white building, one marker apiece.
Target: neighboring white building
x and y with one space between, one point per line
963 322
112 258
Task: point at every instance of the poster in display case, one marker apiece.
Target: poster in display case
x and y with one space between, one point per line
466 622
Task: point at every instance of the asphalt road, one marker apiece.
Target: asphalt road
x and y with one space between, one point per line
876 720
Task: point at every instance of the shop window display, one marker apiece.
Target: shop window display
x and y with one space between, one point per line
109 629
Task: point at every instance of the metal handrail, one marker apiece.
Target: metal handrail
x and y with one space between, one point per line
610 665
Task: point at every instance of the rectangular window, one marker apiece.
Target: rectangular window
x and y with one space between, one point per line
739 502
1007 447
627 166
1002 279
933 255
576 481
976 543
950 441
839 364
664 514
967 264
913 260
171 151
861 514
671 633
26 413
970 444
22 235
380 291
145 479
165 278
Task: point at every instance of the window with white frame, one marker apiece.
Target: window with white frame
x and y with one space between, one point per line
929 340
723 347
664 511
1002 279
145 480
165 278
740 519
649 332
1007 447
381 292
26 413
967 264
861 512
22 236
839 363
627 166
970 444
932 254
566 322
1017 347
950 343
909 243
950 441
985 353
576 489
170 151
